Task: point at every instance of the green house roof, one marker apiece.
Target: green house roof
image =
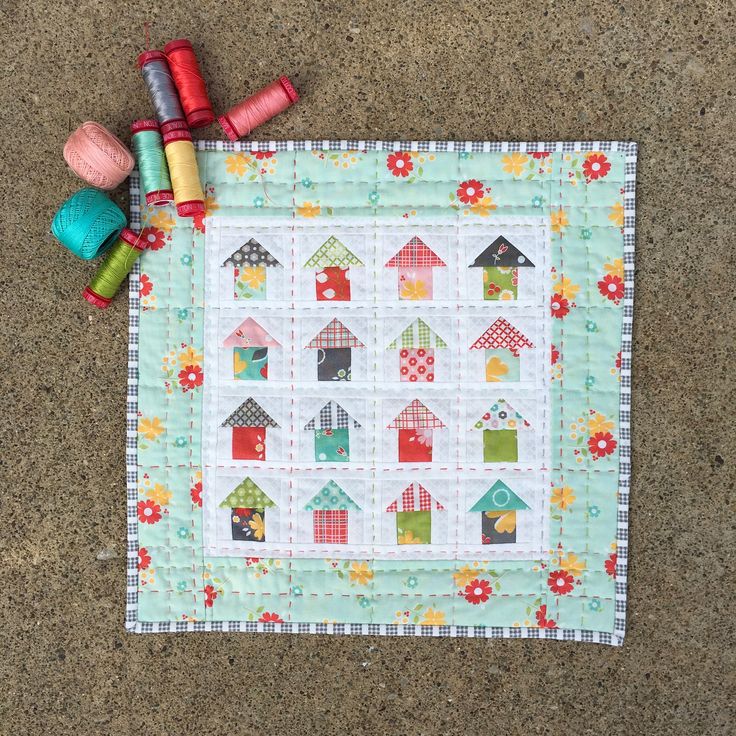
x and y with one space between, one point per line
499 497
332 253
332 498
418 335
247 496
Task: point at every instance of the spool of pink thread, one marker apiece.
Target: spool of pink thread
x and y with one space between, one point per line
97 156
268 102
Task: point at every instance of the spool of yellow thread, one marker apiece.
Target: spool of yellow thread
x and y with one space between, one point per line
180 156
113 270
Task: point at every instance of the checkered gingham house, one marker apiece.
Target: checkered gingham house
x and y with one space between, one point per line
503 344
413 509
416 424
330 507
331 429
415 263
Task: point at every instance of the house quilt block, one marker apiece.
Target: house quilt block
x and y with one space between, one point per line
384 388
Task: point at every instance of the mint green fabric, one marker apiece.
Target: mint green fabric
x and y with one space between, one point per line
586 220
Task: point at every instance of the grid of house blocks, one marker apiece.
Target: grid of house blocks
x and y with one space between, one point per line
377 389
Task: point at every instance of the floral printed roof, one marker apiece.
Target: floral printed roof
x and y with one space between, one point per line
249 334
502 416
502 253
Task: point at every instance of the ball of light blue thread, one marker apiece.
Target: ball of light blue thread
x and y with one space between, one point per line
88 223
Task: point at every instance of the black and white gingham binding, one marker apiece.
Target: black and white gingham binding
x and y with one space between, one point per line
489 632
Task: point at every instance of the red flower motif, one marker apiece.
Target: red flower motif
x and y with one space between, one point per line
610 564
477 591
618 360
198 221
146 285
191 377
612 287
540 154
209 595
560 582
260 155
153 238
148 512
404 353
596 166
470 191
196 493
601 444
252 561
399 163
270 618
560 306
144 559
555 355
542 621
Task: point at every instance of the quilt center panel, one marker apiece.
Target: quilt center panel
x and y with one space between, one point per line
377 389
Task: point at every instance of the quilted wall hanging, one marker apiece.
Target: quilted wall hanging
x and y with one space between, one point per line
384 388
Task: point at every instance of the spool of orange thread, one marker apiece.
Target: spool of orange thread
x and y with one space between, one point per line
182 160
189 82
268 102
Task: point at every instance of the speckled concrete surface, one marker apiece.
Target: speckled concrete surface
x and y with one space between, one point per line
660 73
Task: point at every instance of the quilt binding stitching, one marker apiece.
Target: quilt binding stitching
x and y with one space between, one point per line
132 624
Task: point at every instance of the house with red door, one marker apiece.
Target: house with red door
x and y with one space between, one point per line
334 345
249 423
332 262
415 263
503 345
250 344
413 509
330 508
417 346
416 424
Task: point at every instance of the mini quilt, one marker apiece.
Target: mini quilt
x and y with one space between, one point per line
384 388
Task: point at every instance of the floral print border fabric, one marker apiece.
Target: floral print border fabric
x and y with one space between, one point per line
577 589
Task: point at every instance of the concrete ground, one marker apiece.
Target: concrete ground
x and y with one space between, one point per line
660 73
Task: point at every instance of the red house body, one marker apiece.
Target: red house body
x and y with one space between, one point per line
249 423
416 425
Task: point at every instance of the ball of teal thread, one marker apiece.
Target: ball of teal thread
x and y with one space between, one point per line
88 223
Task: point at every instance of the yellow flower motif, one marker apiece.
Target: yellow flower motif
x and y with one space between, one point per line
433 617
159 494
495 369
408 538
210 205
562 497
465 575
308 210
414 290
514 163
360 573
558 220
572 564
483 207
258 526
615 267
617 214
565 288
190 357
506 295
150 428
597 423
162 220
253 276
237 163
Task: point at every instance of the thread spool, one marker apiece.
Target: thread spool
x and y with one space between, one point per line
160 82
118 263
148 148
255 110
189 83
97 156
88 223
184 171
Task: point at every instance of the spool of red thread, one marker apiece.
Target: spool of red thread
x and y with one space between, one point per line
180 155
189 82
255 110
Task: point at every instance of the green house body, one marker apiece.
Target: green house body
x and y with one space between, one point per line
501 262
500 426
